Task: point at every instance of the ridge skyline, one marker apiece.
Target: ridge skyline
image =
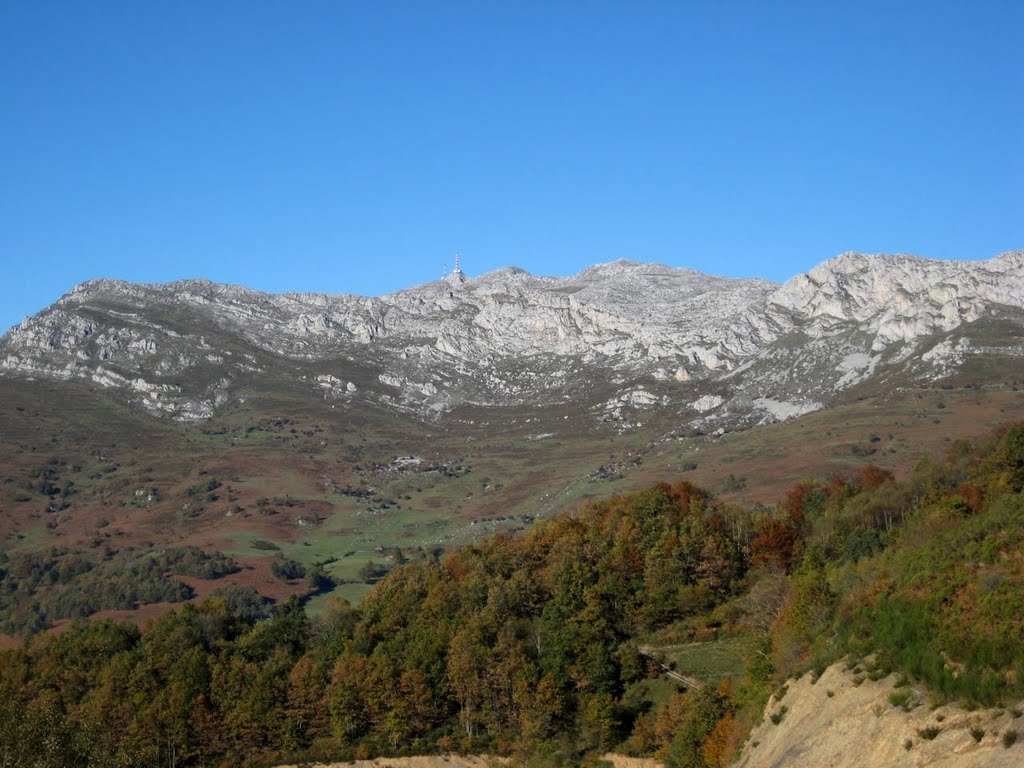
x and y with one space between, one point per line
509 270
506 337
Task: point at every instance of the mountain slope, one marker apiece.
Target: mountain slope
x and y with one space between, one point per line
347 433
657 335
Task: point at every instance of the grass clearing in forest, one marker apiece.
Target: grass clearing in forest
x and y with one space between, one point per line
709 661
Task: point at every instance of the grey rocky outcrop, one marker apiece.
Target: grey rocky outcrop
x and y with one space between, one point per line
619 335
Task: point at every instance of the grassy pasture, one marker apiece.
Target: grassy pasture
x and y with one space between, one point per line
709 661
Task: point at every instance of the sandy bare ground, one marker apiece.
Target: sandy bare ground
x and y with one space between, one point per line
621 761
420 761
837 723
467 761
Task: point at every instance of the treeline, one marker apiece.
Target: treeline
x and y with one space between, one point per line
530 644
41 587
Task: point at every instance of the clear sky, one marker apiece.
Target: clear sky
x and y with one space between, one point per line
354 146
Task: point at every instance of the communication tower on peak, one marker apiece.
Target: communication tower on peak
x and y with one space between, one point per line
456 277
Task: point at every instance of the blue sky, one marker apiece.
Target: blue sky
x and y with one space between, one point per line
354 146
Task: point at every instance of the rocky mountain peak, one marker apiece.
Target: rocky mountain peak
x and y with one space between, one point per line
652 334
1010 260
900 297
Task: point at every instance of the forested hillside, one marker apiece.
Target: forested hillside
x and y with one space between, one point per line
551 644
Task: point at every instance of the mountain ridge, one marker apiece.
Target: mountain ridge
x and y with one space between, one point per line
715 348
1011 257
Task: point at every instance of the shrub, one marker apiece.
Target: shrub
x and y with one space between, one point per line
287 569
930 732
372 572
1009 739
192 561
734 483
902 698
244 602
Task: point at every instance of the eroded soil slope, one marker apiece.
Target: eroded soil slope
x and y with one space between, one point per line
838 722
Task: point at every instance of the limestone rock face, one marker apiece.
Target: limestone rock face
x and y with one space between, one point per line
717 349
898 298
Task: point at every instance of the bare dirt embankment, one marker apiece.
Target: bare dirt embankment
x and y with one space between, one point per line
838 723
466 761
621 761
420 761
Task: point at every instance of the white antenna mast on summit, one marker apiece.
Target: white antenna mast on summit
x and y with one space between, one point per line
458 269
